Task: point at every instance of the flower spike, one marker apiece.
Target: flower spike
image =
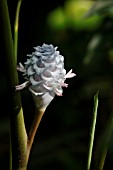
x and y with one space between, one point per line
44 71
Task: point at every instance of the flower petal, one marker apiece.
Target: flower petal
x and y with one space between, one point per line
21 68
69 74
21 86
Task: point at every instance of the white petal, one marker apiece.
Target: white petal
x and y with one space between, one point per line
50 64
27 62
46 78
69 74
48 88
58 92
30 71
61 57
56 48
57 60
29 55
64 72
21 86
34 59
64 85
35 93
21 68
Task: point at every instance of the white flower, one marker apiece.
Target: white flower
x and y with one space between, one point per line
44 71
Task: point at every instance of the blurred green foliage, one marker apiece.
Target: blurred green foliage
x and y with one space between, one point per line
84 35
72 16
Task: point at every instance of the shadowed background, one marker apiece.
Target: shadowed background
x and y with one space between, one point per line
62 139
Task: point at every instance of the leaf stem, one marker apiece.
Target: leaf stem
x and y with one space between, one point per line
16 23
92 130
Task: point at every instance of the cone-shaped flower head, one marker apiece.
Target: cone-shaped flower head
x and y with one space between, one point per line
44 71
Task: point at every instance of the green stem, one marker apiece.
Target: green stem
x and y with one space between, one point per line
16 29
92 131
19 141
18 131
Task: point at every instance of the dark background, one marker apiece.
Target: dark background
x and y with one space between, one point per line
63 135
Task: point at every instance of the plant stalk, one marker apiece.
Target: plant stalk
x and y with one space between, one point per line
92 131
18 131
37 119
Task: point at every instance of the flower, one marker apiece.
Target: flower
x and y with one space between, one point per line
44 71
